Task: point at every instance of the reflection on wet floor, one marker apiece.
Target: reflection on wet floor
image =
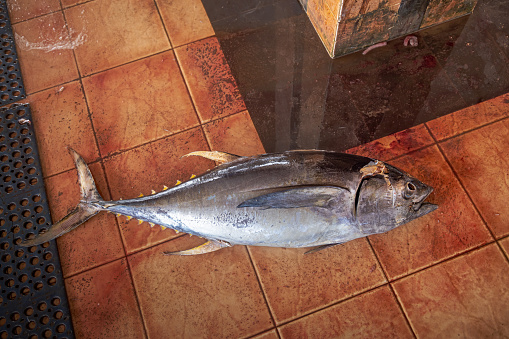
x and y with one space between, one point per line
299 97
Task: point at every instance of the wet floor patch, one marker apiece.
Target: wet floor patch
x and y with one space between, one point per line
298 97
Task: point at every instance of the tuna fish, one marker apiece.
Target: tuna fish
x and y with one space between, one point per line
293 199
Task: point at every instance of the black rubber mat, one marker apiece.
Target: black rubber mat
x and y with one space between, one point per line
11 84
33 299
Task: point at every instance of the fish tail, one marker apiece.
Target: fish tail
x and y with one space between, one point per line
86 208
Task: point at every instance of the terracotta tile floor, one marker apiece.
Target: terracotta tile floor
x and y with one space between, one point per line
133 86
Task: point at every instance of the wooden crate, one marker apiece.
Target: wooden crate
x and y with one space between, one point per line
346 26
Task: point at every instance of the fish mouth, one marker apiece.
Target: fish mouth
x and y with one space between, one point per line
421 203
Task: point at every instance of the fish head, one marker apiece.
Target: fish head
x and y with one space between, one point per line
390 200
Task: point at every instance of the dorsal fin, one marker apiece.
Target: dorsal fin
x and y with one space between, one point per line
220 157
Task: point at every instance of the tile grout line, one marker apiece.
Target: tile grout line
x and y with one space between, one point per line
469 196
263 293
145 331
389 284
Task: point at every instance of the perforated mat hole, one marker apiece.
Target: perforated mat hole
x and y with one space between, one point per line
22 265
25 213
58 315
4 335
33 181
42 306
44 320
6 257
41 220
21 185
52 281
4 246
33 336
31 325
50 268
36 198
28 225
36 273
25 290
9 282
8 270
38 209
19 253
61 328
3 233
23 278
38 286
12 296
2 321
24 202
47 333
17 330
47 256
29 311
11 206
34 261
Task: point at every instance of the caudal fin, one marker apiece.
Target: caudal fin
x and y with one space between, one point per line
83 211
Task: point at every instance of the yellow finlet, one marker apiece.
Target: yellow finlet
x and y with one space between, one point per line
141 194
140 222
178 182
118 214
151 224
193 176
128 217
153 192
165 188
176 232
162 227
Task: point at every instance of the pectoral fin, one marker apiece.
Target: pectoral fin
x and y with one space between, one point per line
209 246
220 157
318 196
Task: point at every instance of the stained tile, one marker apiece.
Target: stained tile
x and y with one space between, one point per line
451 229
296 284
20 10
115 32
149 100
354 318
479 158
45 52
395 144
212 86
93 243
470 117
464 297
103 303
213 295
151 167
61 119
185 21
234 134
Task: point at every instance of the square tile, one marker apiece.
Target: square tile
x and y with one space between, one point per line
453 228
358 317
95 242
103 303
396 144
148 167
115 32
68 3
464 297
213 295
185 21
139 102
45 52
208 76
20 10
479 159
296 283
470 117
60 118
235 134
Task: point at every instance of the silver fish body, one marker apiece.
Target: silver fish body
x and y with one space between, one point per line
290 199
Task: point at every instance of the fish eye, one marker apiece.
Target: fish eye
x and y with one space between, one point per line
409 190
